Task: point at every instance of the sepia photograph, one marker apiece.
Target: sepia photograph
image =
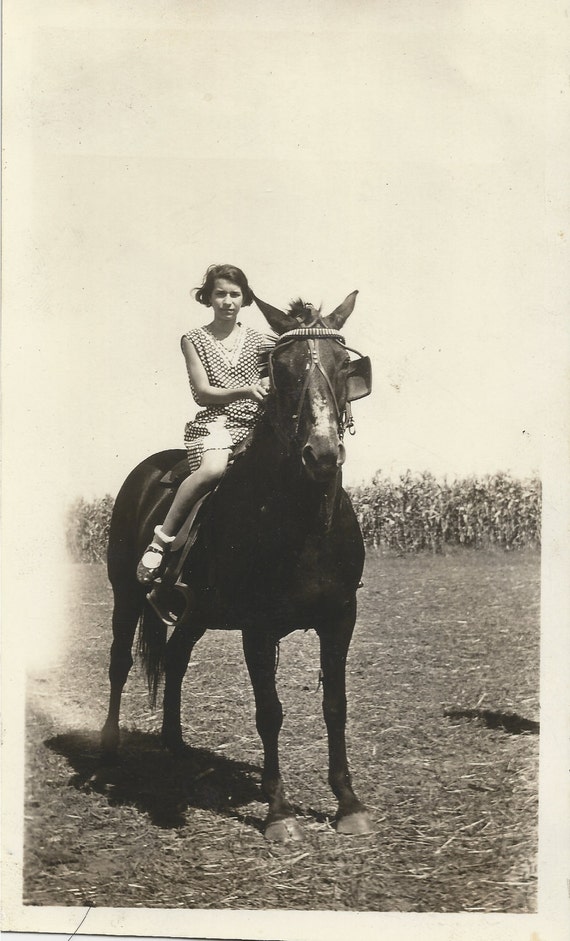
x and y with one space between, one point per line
285 368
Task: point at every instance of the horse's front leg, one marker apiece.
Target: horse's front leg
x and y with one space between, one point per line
260 656
335 636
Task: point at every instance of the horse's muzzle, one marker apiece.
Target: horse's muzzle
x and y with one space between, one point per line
322 463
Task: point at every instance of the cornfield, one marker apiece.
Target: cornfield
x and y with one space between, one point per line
419 512
88 529
414 513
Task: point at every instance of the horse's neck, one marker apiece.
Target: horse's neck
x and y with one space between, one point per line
281 483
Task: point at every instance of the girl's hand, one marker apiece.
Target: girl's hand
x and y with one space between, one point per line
258 391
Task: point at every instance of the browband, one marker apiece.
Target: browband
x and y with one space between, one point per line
314 332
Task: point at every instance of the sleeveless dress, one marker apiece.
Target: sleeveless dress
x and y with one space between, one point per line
218 427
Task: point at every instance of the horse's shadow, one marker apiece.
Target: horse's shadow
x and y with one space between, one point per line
157 783
162 785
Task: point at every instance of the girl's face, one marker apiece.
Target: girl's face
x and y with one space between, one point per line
226 300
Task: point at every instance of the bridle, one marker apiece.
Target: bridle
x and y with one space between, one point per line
311 335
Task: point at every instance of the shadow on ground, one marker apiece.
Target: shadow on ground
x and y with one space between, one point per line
162 785
508 721
148 777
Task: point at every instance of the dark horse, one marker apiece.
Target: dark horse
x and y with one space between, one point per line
278 549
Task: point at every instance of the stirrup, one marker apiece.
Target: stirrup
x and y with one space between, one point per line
146 575
178 597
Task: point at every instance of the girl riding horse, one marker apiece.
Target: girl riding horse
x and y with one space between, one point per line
222 359
278 550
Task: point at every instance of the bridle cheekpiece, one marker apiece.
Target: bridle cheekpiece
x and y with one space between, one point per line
312 333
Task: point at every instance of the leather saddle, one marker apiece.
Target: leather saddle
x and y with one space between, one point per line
170 596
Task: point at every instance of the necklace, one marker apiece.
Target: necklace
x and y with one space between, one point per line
229 342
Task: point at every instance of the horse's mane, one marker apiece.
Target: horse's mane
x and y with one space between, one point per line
302 311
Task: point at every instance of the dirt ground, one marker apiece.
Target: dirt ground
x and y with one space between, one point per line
443 741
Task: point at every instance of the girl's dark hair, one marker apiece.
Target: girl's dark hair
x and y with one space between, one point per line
230 273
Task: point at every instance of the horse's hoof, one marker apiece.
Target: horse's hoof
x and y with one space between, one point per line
283 831
176 747
356 824
109 744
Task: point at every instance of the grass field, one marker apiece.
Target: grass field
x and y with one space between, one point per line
442 733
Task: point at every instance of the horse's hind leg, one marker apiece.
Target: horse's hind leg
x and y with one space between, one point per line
260 654
352 816
126 612
176 658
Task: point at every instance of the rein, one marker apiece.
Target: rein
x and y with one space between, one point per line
311 334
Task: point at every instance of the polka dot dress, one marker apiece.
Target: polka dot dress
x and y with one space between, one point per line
224 426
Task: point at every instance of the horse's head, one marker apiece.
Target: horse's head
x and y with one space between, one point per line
312 381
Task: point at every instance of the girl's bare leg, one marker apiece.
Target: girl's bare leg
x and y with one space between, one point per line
212 467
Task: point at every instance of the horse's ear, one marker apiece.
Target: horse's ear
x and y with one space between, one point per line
277 319
340 314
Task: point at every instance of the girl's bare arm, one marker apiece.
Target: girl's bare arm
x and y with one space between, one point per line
206 394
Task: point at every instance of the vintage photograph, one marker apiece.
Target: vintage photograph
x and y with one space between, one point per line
285 360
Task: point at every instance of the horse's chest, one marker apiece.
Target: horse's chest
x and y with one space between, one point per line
300 578
282 565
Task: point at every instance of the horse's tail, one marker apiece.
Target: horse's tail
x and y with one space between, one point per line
151 647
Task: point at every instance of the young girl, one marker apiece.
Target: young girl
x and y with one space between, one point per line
222 359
